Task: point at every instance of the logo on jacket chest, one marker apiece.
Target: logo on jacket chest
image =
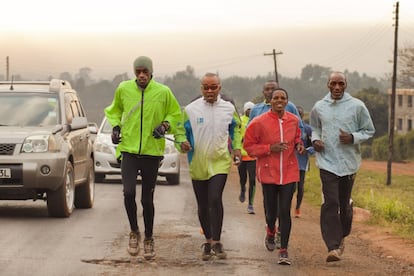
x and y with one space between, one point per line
200 120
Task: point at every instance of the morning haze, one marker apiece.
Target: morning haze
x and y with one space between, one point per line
230 53
47 38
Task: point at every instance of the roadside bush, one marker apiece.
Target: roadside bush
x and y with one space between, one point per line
409 142
366 151
380 148
403 147
400 153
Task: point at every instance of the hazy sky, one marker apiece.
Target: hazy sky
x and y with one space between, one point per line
46 37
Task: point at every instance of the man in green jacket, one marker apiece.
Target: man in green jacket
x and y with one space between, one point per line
141 112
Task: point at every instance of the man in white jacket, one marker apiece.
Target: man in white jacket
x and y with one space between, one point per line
212 127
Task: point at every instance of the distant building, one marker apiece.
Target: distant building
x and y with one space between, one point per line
404 110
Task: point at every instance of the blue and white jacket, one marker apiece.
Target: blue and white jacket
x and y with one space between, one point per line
213 130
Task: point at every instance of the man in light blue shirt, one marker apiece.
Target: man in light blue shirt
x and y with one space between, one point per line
340 123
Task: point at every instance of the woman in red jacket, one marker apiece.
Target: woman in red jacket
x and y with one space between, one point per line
273 138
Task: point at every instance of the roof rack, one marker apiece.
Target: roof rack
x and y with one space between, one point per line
55 85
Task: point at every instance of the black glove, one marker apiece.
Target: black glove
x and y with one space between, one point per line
116 135
160 130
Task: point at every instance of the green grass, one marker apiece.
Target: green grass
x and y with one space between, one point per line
390 205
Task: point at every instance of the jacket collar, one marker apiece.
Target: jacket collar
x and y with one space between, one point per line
345 97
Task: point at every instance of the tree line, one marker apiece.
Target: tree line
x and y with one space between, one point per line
303 91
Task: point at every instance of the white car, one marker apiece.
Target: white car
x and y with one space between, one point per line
106 162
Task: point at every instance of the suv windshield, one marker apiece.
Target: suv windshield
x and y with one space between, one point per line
29 109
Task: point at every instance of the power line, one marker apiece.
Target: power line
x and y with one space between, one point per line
229 61
366 42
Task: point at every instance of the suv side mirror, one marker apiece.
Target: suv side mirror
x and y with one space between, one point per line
93 128
78 123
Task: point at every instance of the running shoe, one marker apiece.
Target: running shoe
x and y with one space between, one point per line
250 209
333 255
149 252
133 244
206 251
242 197
219 251
283 257
270 239
297 213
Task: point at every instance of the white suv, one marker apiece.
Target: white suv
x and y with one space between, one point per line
107 164
45 147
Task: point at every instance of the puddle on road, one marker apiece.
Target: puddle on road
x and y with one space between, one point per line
163 262
128 261
182 254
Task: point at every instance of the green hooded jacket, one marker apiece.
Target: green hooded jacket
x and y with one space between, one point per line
138 112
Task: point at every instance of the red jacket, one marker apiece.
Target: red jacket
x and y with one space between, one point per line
276 167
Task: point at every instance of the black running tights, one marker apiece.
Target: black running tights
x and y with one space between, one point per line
147 167
210 204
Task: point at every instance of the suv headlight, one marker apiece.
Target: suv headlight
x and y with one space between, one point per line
169 148
38 143
102 147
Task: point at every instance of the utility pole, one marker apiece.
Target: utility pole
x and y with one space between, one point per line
7 68
274 54
392 109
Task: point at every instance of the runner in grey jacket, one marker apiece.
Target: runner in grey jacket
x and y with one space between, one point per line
340 123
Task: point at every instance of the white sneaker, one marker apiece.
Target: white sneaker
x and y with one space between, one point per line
333 256
133 244
149 252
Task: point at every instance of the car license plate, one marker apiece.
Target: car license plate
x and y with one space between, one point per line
5 173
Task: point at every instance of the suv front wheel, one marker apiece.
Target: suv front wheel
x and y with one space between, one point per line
60 203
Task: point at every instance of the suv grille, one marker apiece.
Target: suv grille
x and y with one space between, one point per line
7 149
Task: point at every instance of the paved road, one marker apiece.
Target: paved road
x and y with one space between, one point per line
34 244
93 241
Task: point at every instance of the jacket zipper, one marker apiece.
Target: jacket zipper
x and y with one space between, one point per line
281 153
142 116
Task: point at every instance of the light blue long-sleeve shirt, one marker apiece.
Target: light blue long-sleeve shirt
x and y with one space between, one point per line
326 118
303 159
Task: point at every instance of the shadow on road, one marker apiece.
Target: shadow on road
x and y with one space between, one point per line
117 180
23 209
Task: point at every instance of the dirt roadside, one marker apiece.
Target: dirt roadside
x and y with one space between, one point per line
389 245
397 168
369 250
